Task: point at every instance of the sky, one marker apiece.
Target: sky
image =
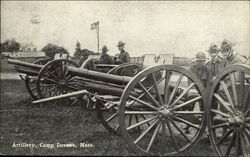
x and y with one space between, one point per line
180 28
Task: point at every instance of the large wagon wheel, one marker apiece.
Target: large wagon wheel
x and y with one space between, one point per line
229 112
170 101
107 110
30 81
54 79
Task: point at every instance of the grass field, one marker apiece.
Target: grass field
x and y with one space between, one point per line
23 122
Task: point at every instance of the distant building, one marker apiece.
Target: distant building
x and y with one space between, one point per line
26 51
28 48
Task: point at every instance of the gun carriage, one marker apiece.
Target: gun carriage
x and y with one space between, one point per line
150 107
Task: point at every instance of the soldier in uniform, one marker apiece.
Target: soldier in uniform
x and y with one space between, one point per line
123 56
105 58
227 53
202 72
200 69
214 64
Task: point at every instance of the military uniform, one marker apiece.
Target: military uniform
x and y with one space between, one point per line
124 56
230 60
202 73
106 59
214 65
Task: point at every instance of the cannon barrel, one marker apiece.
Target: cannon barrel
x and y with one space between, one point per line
27 71
110 78
99 76
25 64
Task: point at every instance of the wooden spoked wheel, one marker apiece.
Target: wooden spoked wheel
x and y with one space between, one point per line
54 79
31 81
229 112
165 99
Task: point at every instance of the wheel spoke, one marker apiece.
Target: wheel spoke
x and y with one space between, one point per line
172 136
247 132
234 88
146 131
224 87
219 125
183 93
166 88
230 145
51 73
189 112
153 137
137 121
187 122
46 85
175 89
48 79
182 133
163 127
141 122
33 88
237 144
225 104
224 137
247 102
148 94
111 117
130 120
141 112
243 145
242 84
246 138
157 89
147 90
143 102
247 113
145 119
187 102
220 113
49 91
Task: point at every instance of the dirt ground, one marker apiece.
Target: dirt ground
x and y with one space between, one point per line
50 124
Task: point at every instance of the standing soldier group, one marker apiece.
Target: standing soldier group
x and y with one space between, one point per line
123 57
207 70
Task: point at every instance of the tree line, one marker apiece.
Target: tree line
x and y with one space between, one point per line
49 49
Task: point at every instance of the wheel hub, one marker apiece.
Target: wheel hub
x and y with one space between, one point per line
165 112
62 82
237 120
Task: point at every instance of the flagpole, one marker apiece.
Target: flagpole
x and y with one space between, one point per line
98 38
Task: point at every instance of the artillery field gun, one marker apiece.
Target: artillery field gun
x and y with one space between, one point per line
150 106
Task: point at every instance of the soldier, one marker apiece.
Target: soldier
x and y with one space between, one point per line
227 53
214 65
203 74
105 58
200 69
123 56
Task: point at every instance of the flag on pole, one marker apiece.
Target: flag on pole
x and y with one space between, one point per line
94 25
